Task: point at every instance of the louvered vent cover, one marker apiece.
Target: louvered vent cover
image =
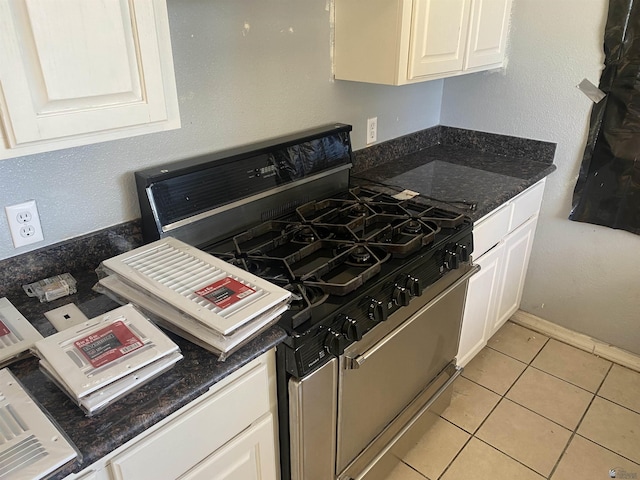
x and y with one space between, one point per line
91 355
219 294
30 445
17 335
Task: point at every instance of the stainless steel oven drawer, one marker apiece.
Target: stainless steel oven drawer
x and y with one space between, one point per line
388 449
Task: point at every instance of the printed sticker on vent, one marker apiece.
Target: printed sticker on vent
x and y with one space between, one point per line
3 328
225 293
108 344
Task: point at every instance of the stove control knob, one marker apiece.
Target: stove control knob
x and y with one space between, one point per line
401 296
463 253
377 310
350 328
333 343
413 285
451 259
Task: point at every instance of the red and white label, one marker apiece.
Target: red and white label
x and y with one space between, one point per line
108 344
225 292
4 330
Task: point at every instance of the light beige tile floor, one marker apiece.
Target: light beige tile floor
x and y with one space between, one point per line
530 407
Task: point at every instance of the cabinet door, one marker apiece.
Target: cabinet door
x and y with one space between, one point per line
201 430
489 26
438 36
250 456
77 67
517 249
481 304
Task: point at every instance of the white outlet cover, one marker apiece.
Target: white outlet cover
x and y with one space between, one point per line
372 130
24 223
66 316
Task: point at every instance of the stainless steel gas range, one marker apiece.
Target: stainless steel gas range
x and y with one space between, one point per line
379 283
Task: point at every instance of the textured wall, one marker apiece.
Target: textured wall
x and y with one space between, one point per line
581 276
245 70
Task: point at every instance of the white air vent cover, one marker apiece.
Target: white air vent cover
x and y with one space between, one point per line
219 294
185 326
17 335
30 445
97 401
91 355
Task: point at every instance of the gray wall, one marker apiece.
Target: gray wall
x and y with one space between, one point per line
581 276
245 70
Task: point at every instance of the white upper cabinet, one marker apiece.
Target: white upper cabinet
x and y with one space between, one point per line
489 27
438 36
396 42
75 72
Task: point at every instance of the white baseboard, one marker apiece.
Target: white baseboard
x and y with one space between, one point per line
578 340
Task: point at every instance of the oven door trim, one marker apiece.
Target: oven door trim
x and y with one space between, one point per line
364 463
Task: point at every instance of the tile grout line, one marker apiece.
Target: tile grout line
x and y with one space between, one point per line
606 399
502 397
607 448
414 469
575 430
459 451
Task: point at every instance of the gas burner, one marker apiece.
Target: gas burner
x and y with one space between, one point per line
258 267
315 295
341 247
273 269
359 210
382 254
412 227
306 235
360 256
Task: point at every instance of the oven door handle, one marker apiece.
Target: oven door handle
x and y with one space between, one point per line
353 363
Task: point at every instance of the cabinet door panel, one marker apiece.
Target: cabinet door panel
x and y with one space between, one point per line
250 456
488 32
480 306
188 439
75 67
526 205
438 36
516 260
490 230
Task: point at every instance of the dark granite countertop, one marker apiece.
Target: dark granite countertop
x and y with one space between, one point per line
99 435
471 181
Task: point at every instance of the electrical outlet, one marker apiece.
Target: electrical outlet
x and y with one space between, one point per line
372 130
24 223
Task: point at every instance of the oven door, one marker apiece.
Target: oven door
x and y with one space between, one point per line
393 366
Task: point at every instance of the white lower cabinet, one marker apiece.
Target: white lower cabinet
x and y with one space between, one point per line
517 250
250 456
481 304
229 433
502 246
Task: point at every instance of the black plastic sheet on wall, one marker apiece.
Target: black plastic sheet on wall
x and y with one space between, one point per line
608 188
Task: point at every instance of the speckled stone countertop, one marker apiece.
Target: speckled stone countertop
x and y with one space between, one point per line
98 435
471 172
